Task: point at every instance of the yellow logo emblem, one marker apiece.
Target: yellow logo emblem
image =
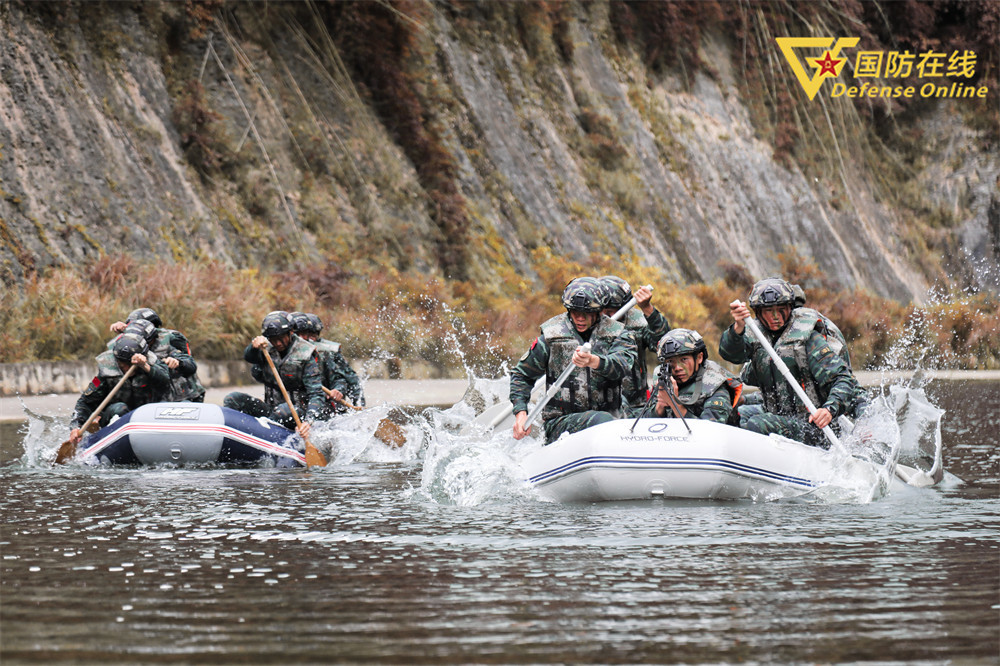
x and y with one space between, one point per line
827 66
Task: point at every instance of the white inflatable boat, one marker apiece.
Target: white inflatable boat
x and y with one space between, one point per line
660 458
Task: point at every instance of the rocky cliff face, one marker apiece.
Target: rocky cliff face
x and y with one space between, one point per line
457 140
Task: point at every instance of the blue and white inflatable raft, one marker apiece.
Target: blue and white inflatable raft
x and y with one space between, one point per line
192 433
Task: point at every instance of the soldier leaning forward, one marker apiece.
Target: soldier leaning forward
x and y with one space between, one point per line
173 349
298 366
338 375
592 393
647 326
149 383
812 348
702 388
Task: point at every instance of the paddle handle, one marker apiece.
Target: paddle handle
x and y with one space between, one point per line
553 390
68 449
341 401
313 455
565 373
790 378
104 403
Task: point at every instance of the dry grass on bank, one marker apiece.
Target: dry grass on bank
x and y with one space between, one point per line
65 315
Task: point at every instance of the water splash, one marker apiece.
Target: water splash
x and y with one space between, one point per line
41 435
466 464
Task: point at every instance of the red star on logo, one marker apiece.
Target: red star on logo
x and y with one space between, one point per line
827 65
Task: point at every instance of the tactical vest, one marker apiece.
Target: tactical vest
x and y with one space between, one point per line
181 388
323 345
636 379
137 391
706 382
584 389
290 368
791 347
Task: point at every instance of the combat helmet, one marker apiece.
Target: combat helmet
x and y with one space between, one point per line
306 322
142 328
800 296
317 323
144 313
619 291
585 294
276 324
129 344
678 342
300 322
773 291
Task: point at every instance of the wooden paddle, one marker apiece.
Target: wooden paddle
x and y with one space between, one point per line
387 431
67 450
313 456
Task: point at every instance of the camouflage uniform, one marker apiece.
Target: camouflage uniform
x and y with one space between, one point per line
711 394
301 375
815 351
338 373
588 397
646 332
141 388
184 383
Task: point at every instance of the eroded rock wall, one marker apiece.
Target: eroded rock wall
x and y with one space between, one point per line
582 153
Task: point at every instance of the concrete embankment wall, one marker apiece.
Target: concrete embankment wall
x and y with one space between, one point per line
42 378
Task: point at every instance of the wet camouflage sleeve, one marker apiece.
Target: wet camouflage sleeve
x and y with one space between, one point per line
656 327
619 359
159 375
736 348
96 391
181 350
832 374
258 367
527 371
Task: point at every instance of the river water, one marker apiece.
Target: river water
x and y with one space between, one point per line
436 553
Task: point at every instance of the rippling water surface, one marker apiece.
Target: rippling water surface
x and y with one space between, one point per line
384 558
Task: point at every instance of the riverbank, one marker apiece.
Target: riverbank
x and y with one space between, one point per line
402 392
414 392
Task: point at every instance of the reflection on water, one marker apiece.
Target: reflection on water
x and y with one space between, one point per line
370 561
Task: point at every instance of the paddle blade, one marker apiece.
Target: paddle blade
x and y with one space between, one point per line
66 452
313 456
390 433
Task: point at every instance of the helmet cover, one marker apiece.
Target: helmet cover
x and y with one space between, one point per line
585 294
129 344
619 291
276 324
144 313
772 291
678 342
142 328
